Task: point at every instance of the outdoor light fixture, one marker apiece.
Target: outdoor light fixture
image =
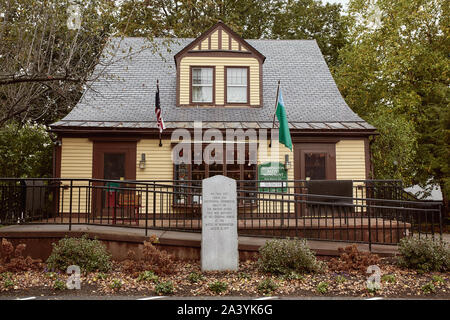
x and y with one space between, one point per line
287 164
142 162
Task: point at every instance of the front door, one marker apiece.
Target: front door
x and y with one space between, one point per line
313 161
111 161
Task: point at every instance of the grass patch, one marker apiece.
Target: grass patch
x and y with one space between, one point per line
218 286
164 288
322 287
390 278
148 276
195 277
267 286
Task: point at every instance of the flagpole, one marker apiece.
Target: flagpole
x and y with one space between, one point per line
157 88
275 113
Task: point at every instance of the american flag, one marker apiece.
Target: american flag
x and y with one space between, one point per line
159 119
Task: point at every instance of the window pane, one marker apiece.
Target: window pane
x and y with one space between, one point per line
237 85
202 94
114 166
315 166
202 76
237 76
237 94
202 84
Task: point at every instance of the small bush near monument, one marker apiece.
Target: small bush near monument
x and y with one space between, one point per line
89 255
351 259
284 256
159 261
424 255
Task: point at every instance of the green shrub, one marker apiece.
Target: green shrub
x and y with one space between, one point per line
283 256
102 276
116 284
388 278
148 276
6 275
322 287
8 283
164 288
89 255
437 279
244 276
292 276
59 285
424 255
195 277
267 286
428 288
341 279
218 286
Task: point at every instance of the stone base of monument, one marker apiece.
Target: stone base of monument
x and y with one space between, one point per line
219 247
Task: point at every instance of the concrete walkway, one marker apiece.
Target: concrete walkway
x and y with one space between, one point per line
168 238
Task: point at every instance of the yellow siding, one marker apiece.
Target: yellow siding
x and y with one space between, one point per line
225 40
215 40
350 160
158 160
159 166
205 44
234 45
220 64
76 162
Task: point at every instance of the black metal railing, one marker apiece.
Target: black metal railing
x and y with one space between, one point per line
366 211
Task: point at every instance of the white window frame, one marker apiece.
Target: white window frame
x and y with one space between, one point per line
210 85
247 71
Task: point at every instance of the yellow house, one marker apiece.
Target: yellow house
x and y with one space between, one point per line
217 81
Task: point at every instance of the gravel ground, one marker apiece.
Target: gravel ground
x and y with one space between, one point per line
396 283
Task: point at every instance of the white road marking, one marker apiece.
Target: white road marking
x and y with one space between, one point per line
152 298
28 298
266 298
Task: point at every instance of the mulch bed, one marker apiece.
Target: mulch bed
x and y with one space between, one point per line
405 283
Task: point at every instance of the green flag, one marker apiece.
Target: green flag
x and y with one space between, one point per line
284 133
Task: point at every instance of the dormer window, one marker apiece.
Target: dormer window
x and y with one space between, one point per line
237 85
202 84
219 69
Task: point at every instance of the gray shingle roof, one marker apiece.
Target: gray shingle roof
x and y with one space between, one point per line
125 92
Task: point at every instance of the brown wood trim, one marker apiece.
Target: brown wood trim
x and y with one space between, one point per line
130 149
219 38
221 53
261 84
301 148
191 103
207 33
209 42
229 41
115 139
367 157
57 157
247 103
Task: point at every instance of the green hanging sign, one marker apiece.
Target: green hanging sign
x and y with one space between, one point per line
272 177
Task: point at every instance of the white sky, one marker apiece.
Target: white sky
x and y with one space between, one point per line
343 2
